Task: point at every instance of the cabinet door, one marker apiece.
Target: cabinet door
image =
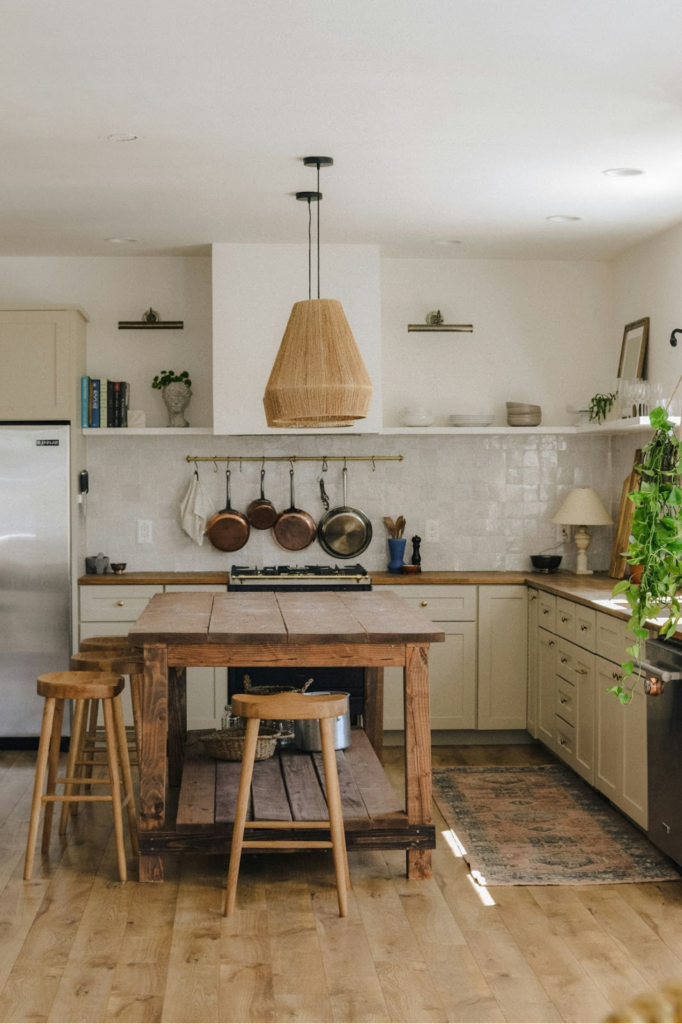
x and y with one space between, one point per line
206 687
35 355
565 618
532 710
546 688
608 767
633 797
502 657
452 680
585 714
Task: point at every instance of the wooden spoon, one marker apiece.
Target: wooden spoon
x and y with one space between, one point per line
390 526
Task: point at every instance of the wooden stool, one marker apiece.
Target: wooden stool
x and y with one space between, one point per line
288 706
123 662
56 688
104 643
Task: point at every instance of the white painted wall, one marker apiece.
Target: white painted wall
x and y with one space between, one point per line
648 282
543 333
121 288
254 288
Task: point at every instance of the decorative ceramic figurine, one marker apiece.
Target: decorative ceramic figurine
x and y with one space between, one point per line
177 397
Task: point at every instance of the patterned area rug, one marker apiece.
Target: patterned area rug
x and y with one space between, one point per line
542 825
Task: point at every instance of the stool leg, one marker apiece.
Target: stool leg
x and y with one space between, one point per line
74 747
43 752
52 769
90 736
112 757
127 776
80 736
331 781
135 689
248 757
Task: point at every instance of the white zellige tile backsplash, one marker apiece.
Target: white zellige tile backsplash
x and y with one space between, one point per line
493 496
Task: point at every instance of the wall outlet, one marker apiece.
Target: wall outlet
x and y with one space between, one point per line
563 533
144 531
432 531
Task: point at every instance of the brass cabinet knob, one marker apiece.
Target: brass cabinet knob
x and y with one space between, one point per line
120 604
545 611
551 643
581 671
563 661
564 618
564 700
533 597
563 742
424 604
583 628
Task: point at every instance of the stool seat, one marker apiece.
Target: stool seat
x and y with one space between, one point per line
104 643
80 685
290 706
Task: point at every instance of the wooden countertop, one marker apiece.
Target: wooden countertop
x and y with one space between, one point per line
430 577
158 579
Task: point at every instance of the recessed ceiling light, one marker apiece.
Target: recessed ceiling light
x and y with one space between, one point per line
120 241
562 218
121 137
622 172
448 241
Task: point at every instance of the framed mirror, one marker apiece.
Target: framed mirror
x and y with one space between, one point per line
633 349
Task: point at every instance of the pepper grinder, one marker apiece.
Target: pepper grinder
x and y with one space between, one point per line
416 554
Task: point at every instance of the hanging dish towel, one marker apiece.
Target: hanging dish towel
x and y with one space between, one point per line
196 509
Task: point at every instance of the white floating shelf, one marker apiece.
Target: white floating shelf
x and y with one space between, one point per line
456 431
143 431
628 426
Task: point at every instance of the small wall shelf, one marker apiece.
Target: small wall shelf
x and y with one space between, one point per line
143 431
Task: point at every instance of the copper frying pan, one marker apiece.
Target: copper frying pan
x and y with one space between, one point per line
228 530
261 513
294 529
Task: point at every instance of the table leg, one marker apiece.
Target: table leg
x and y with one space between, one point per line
177 723
374 708
154 731
417 752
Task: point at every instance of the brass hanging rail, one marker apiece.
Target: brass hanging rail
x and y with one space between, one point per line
294 458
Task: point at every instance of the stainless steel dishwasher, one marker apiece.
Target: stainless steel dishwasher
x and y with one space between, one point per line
662 681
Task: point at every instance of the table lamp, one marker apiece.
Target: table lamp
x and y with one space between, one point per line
583 508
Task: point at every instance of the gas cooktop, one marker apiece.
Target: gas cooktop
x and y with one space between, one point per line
298 571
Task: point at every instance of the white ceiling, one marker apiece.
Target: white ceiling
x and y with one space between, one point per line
446 119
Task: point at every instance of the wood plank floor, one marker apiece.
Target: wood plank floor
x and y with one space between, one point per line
76 945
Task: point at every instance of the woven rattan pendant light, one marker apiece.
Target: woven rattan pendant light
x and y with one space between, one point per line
319 378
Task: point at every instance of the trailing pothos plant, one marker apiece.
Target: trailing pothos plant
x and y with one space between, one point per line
655 545
601 405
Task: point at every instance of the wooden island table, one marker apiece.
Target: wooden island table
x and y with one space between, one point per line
371 630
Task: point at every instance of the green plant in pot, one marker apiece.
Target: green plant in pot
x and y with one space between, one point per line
655 546
176 389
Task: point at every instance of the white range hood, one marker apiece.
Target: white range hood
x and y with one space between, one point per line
254 288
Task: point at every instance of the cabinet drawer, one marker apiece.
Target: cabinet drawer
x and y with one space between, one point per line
547 611
565 659
586 627
565 740
612 638
565 618
440 603
565 701
114 604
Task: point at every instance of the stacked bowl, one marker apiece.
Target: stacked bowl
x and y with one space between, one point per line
521 415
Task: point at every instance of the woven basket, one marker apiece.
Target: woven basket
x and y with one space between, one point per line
228 745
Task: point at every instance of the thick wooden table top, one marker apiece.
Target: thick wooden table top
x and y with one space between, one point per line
298 618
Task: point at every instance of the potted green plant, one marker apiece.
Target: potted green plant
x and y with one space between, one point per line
655 545
601 405
176 389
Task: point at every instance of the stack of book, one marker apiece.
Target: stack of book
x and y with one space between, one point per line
104 403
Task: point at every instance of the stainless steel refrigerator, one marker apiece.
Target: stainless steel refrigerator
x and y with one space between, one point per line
35 584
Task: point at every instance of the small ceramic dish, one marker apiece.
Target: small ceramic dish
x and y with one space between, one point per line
118 567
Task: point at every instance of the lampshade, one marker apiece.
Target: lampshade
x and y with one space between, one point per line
583 507
319 378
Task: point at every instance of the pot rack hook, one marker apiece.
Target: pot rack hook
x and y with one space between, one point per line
215 465
374 465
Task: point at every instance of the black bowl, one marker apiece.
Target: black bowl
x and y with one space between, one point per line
546 563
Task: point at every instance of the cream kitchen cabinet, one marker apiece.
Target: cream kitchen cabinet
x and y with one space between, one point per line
575 705
621 746
110 610
502 657
533 666
42 354
452 664
546 704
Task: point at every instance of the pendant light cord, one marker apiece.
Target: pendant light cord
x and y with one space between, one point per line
318 230
310 256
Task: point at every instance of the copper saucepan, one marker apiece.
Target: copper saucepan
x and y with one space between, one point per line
261 513
228 530
294 529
